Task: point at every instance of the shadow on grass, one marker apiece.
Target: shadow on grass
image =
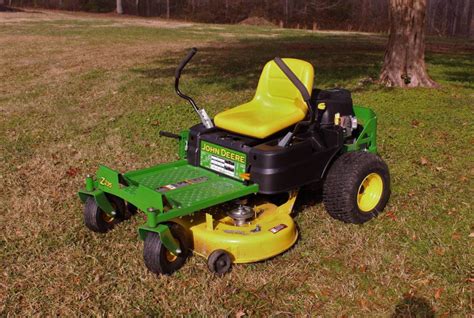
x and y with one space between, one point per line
337 61
347 60
4 8
413 306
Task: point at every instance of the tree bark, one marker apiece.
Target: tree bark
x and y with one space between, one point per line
468 29
119 7
167 9
404 62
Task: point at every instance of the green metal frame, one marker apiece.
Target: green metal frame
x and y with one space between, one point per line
139 188
367 139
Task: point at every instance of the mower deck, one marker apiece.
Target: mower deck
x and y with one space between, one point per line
270 233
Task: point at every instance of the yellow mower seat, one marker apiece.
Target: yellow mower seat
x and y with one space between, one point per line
277 104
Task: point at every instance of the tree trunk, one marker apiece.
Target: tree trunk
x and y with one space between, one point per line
119 7
167 9
468 30
404 62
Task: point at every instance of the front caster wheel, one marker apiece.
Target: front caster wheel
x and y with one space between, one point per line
219 262
158 259
97 220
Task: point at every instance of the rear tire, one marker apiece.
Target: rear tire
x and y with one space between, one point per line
158 259
97 220
357 187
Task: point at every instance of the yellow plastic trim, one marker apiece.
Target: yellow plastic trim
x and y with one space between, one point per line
277 103
244 243
370 192
322 106
107 218
170 257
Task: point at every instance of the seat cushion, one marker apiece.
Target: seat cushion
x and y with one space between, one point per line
254 119
277 103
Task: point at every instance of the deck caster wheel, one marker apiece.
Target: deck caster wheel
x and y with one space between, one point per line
219 262
97 220
158 259
357 187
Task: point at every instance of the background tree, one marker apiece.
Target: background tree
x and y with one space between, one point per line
444 17
404 63
119 7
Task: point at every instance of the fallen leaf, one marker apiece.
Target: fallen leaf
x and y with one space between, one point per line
456 236
440 251
424 282
240 313
391 215
415 123
409 294
72 172
438 293
364 304
155 123
472 234
463 178
424 161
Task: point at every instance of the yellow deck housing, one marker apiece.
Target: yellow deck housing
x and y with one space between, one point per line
277 103
243 243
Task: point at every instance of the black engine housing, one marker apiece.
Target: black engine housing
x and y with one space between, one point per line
337 100
275 169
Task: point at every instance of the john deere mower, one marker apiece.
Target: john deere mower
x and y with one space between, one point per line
219 199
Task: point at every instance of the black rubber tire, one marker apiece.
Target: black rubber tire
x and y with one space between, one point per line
155 253
95 218
219 262
342 185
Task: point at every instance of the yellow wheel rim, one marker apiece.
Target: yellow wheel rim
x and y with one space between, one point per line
370 192
170 257
107 218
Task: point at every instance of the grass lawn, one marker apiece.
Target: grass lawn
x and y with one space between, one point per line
81 90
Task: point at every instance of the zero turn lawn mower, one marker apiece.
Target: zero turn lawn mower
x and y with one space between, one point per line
216 200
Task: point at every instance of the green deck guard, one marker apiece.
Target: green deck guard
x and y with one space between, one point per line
368 137
166 237
144 191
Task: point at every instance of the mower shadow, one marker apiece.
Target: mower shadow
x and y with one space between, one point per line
308 196
413 307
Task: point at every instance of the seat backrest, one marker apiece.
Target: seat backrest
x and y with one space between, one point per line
276 90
